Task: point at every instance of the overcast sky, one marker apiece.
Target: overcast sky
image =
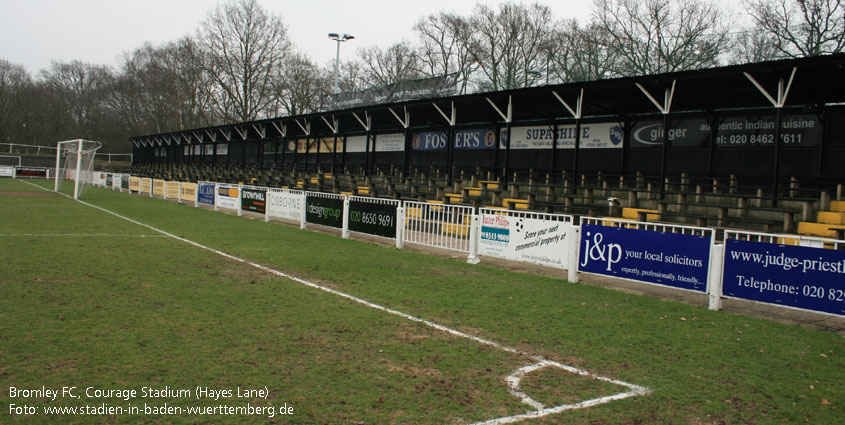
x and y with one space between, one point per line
35 32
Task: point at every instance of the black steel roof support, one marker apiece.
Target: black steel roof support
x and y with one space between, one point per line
368 125
576 113
783 93
405 124
306 128
664 109
333 126
508 117
452 119
283 131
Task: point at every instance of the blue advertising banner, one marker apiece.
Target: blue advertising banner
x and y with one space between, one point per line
429 141
482 138
671 259
795 276
205 193
479 138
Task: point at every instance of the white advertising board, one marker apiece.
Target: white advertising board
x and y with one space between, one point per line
228 196
393 142
529 240
286 205
356 144
605 135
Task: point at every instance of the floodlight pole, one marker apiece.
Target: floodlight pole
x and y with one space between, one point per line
339 39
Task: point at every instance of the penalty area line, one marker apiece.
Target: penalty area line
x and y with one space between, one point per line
512 381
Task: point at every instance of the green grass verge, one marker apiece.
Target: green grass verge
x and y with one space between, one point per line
130 311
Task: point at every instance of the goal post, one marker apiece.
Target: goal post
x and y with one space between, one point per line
75 161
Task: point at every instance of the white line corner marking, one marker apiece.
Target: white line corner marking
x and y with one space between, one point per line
512 380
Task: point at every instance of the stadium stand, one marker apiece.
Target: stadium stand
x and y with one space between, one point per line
717 165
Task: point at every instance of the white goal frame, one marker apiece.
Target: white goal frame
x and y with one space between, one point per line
77 179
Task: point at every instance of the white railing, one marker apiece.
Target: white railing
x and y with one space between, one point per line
438 225
384 201
654 227
324 195
798 240
564 218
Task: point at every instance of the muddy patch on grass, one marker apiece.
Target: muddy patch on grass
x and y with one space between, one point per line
52 279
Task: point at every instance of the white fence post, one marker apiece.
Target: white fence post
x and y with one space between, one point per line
240 200
345 231
400 227
303 211
179 198
216 200
574 236
714 286
473 240
197 195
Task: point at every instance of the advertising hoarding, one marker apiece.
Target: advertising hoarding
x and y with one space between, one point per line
532 240
671 259
373 218
795 276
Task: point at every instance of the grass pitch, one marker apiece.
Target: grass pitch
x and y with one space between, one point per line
113 305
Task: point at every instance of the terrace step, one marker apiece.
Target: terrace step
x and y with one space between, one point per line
634 213
518 204
489 184
820 229
831 217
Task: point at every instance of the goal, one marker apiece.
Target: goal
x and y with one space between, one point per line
74 162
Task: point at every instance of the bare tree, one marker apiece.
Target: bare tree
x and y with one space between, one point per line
387 66
579 53
300 86
509 44
14 80
76 95
193 98
755 46
653 36
802 27
445 47
161 89
142 93
351 76
242 46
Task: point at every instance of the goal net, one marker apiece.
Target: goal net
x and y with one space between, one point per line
74 164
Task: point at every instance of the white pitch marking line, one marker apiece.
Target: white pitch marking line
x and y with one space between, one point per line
635 390
513 382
